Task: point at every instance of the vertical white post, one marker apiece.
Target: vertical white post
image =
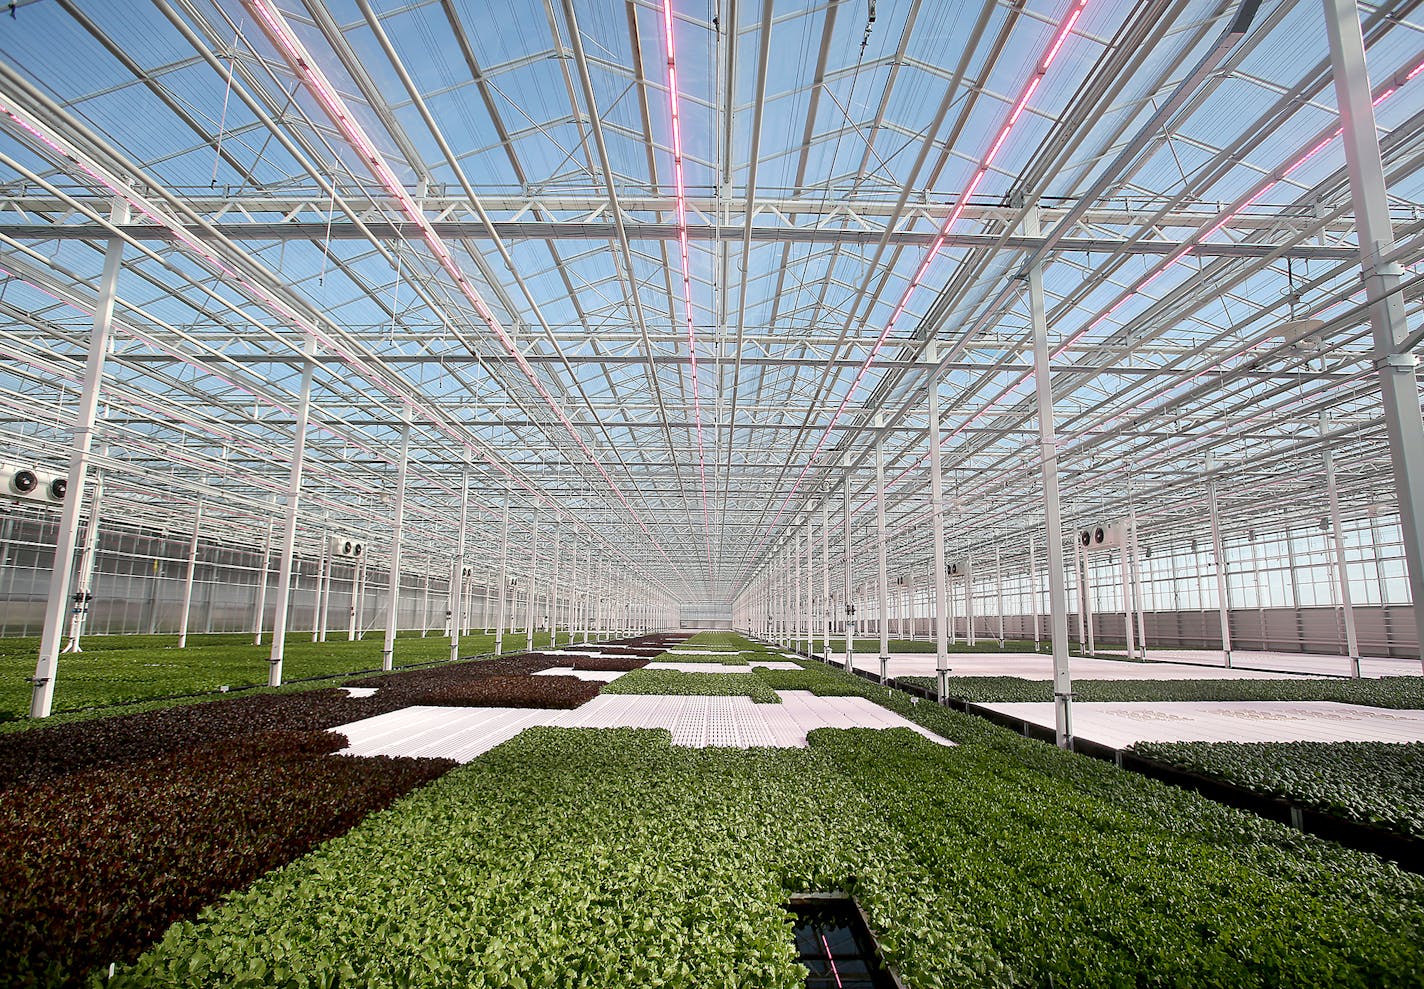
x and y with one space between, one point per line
357 566
846 586
573 594
425 601
84 571
529 592
323 571
1127 615
259 605
289 521
969 637
1399 387
1218 549
795 576
881 556
910 603
999 588
58 601
588 600
1078 584
1139 600
503 619
810 583
826 578
388 648
1033 589
553 615
1342 572
457 569
941 578
1048 444
323 598
951 602
1088 599
187 605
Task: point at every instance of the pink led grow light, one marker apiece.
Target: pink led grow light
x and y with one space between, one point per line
1185 251
296 54
680 188
27 123
1060 37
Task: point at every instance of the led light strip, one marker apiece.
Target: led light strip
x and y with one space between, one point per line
1181 254
301 61
680 186
123 190
1041 68
1255 195
1265 186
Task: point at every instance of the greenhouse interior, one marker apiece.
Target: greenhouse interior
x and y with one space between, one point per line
844 494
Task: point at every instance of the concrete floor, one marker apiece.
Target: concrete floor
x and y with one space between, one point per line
462 733
1039 666
1120 725
1288 662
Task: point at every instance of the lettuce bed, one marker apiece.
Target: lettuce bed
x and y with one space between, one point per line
694 684
1374 783
44 752
122 669
579 858
555 692
610 664
1390 692
99 863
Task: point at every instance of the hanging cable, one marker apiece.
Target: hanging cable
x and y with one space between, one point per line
222 119
326 241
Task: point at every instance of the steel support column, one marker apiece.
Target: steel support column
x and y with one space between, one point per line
881 555
289 520
57 603
1053 525
388 648
826 578
1342 570
530 592
1033 589
259 608
457 569
84 568
1399 387
849 607
503 617
1218 549
941 586
188 576
323 591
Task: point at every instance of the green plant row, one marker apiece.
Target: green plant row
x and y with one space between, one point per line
1389 692
737 659
924 645
1377 783
120 669
647 681
579 858
723 640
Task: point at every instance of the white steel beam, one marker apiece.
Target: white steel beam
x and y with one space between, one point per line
388 647
1398 378
58 600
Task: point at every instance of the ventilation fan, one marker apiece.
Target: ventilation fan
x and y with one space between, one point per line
31 484
347 547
